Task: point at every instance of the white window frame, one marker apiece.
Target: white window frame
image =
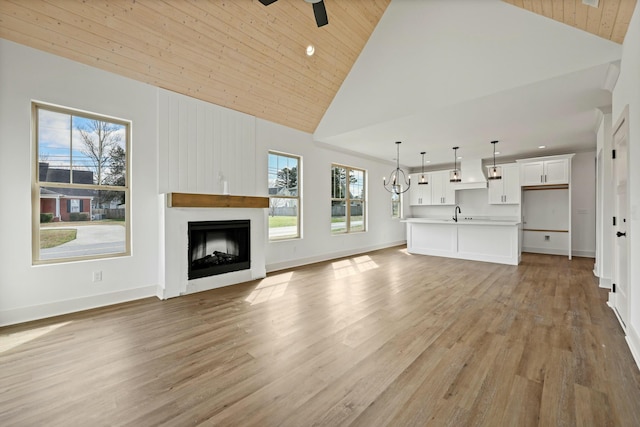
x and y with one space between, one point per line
348 199
297 197
37 184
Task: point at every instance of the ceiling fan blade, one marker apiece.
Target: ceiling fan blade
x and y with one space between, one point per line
321 13
267 2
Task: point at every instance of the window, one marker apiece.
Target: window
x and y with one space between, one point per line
81 190
396 205
284 196
348 208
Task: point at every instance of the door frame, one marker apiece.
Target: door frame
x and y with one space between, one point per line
622 122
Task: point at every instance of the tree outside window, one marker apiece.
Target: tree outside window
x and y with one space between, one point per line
81 189
284 196
348 201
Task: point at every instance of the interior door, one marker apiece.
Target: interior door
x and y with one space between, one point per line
621 247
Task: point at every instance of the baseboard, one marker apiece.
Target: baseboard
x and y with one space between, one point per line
584 254
327 257
42 311
545 251
633 341
605 283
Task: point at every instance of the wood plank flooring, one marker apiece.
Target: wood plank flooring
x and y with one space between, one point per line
384 338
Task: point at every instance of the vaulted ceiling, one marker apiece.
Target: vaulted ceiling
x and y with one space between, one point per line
251 58
235 53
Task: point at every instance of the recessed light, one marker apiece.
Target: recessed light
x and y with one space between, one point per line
542 146
459 157
427 161
310 50
497 152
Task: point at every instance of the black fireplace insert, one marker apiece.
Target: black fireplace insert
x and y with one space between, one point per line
218 247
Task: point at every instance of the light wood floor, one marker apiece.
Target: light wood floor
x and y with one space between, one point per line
385 338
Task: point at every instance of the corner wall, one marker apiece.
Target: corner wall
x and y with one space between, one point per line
317 243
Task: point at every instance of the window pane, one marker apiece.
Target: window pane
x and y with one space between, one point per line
356 218
338 182
283 218
338 216
54 146
92 151
99 150
356 184
395 206
71 225
283 175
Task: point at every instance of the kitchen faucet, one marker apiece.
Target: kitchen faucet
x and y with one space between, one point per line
456 211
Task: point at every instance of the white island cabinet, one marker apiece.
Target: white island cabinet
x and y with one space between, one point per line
479 240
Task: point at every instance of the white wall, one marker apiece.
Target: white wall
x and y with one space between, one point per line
627 92
202 146
27 291
583 204
604 204
317 243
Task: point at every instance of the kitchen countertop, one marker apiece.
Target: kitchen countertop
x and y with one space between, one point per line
463 221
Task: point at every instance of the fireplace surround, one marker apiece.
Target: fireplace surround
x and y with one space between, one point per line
174 260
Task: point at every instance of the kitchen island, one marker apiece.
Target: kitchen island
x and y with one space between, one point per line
488 240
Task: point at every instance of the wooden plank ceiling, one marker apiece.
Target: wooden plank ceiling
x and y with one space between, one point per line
609 20
238 53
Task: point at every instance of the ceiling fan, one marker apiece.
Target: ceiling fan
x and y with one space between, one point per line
319 10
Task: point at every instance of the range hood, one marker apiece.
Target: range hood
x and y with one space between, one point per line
472 175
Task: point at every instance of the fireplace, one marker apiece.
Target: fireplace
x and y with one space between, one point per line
217 247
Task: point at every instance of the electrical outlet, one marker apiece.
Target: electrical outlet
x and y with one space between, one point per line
547 238
97 276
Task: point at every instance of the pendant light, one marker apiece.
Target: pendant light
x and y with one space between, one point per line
495 172
423 178
455 175
397 177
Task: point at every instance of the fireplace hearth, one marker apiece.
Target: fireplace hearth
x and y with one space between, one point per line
218 247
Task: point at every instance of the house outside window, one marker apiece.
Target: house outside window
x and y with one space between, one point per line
284 196
348 199
80 193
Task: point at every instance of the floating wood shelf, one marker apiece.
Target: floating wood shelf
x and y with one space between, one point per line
546 187
545 231
196 200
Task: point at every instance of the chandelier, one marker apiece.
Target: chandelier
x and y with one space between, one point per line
397 177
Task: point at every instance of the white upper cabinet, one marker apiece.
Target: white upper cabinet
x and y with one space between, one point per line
505 191
442 191
545 171
420 194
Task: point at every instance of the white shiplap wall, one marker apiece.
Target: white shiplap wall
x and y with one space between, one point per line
202 145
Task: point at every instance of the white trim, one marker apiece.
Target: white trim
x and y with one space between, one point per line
328 257
545 251
605 283
35 312
584 254
633 341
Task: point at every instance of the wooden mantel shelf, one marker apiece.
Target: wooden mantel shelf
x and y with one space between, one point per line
196 200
